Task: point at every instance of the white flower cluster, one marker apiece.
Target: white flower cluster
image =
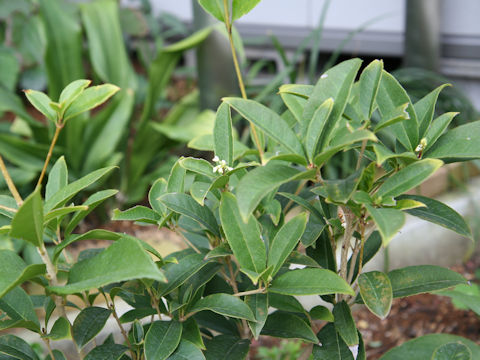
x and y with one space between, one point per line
221 166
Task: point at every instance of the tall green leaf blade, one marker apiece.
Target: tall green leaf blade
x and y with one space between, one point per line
89 99
109 266
344 323
162 339
452 351
388 221
224 347
439 213
57 178
27 224
244 238
376 291
409 177
242 7
285 325
368 88
438 126
259 182
223 134
333 347
268 121
425 108
285 241
224 304
310 282
420 279
88 324
315 128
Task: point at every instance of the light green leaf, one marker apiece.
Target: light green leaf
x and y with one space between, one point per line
376 292
18 306
198 166
286 325
187 351
62 211
315 128
368 88
158 188
396 115
310 282
224 304
72 91
285 241
388 221
268 121
438 126
41 102
189 42
258 303
244 238
242 7
344 323
420 279
89 99
176 179
214 8
409 177
224 347
425 108
294 103
109 266
162 339
108 351
137 213
452 351
223 134
255 185
57 178
60 330
383 154
27 224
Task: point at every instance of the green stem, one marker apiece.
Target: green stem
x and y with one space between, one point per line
58 128
10 184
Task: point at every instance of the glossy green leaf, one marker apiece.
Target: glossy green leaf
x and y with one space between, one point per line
89 99
242 7
388 221
88 324
60 330
320 312
423 347
27 224
224 304
244 238
286 325
224 347
162 339
13 347
437 128
256 184
191 332
452 351
459 144
438 213
304 204
223 134
107 352
57 178
368 88
420 279
315 129
186 205
109 266
187 351
393 117
383 154
409 177
41 102
137 213
376 291
344 323
268 121
285 241
258 303
310 282
425 108
62 211
72 91
198 166
333 347
18 307
370 249
285 303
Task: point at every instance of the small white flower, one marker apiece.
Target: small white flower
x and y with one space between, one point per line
324 76
223 163
215 159
229 168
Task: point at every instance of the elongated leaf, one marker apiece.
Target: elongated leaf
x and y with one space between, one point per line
13 347
286 325
344 323
285 241
294 103
425 108
388 221
376 292
224 304
315 128
41 102
137 213
187 351
242 7
214 8
162 339
89 99
340 191
223 135
191 332
258 303
60 330
106 352
459 144
57 178
395 116
186 205
267 120
109 266
88 324
310 282
27 224
18 306
368 88
199 166
244 238
72 91
62 211
439 213
259 182
409 177
176 179
438 126
383 154
320 312
452 351
333 347
224 347
419 279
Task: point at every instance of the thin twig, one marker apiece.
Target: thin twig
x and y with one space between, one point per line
10 184
3 207
122 330
250 292
155 303
58 128
49 348
362 152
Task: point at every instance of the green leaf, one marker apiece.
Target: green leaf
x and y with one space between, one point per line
452 351
69 191
242 7
294 103
89 99
244 238
57 178
390 96
13 347
109 266
191 332
62 211
341 190
370 249
72 91
393 117
57 354
223 134
383 154
333 347
409 177
158 188
176 179
310 282
315 129
285 241
137 213
27 224
420 279
268 121
425 108
285 303
224 347
388 221
189 42
258 303
335 83
344 323
214 8
438 126
438 213
423 347
162 339
107 352
41 102
368 88
286 325
198 166
14 271
187 351
463 297
60 330
88 324
256 184
224 304
320 312
459 144
376 291
18 306
186 205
